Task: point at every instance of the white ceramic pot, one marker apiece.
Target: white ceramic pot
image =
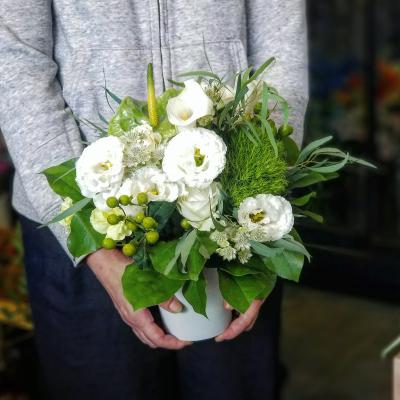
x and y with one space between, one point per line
190 326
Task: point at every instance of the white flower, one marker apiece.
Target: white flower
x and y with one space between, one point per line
195 156
221 238
100 167
65 205
190 105
119 231
142 146
244 256
154 182
270 216
241 239
227 253
196 206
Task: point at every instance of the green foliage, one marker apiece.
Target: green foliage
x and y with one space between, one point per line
145 287
252 168
83 238
240 289
128 115
161 211
62 180
195 293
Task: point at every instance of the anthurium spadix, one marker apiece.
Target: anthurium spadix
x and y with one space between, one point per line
190 105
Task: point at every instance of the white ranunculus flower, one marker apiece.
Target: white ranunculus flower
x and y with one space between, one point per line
100 167
154 182
270 216
190 105
195 156
196 206
98 219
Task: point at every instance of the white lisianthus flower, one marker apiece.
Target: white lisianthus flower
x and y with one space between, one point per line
154 182
65 205
100 167
271 217
142 146
119 231
197 205
190 105
195 156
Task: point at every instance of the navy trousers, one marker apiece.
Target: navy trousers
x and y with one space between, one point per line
87 352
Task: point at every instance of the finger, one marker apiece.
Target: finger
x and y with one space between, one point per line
157 336
228 306
252 325
172 305
240 324
143 338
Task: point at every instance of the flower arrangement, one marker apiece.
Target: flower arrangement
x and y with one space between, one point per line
204 176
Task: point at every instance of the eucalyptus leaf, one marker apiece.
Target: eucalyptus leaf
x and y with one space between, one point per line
288 243
263 250
311 147
303 200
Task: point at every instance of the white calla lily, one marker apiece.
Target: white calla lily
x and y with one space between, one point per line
190 105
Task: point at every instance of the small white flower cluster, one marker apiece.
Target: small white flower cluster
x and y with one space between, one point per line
233 242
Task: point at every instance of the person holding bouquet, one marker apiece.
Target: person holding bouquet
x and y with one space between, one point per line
57 56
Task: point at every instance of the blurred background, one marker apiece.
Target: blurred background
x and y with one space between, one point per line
345 310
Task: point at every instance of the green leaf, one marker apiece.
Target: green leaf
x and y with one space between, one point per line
161 211
260 70
333 167
288 243
195 293
316 217
240 291
83 238
200 74
164 259
303 200
270 133
265 98
263 250
186 245
70 211
311 179
166 129
144 288
311 147
162 100
208 246
62 180
287 265
237 269
127 116
292 150
112 95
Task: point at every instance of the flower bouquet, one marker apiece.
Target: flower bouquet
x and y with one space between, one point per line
200 187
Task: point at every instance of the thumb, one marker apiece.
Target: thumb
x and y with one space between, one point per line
172 305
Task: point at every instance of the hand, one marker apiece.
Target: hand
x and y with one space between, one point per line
244 322
109 266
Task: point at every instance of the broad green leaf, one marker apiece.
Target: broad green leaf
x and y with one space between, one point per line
162 100
166 129
195 293
291 149
62 180
288 243
83 238
161 211
269 280
287 265
195 261
70 211
263 250
164 259
240 291
186 246
144 288
303 200
208 246
237 269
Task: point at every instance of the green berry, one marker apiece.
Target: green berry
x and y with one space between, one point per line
131 225
142 198
139 217
125 200
149 222
109 243
129 249
185 224
113 219
285 130
112 202
152 237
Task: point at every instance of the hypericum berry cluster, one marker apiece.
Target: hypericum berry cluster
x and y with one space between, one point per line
143 227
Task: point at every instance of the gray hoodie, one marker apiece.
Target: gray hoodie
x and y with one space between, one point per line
56 54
